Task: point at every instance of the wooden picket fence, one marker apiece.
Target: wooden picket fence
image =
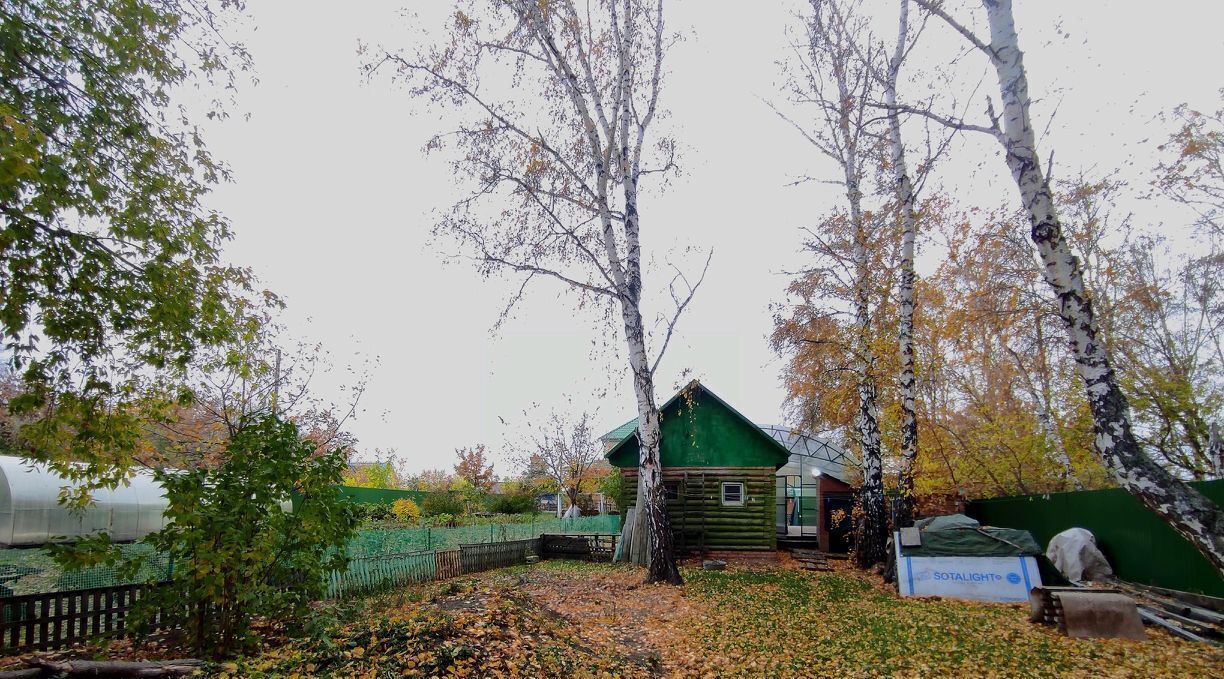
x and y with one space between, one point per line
53 620
450 563
483 557
381 572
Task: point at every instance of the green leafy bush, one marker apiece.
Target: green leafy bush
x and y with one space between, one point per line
374 512
237 554
442 521
435 504
512 503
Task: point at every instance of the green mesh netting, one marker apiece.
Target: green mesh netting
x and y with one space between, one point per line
31 570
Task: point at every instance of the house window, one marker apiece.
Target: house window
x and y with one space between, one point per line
733 494
671 491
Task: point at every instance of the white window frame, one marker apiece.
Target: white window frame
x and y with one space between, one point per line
723 494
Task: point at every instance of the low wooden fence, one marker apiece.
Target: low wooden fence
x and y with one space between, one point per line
389 570
579 547
39 622
55 620
483 557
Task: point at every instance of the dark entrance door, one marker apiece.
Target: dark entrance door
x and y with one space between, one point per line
837 522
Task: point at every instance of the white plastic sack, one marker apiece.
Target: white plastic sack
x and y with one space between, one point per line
1075 554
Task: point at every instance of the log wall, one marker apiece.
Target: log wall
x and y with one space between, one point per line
698 518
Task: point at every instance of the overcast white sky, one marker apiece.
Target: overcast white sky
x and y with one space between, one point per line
332 204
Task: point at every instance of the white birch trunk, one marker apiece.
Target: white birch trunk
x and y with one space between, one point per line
904 190
652 504
596 79
1186 510
844 133
872 531
1054 443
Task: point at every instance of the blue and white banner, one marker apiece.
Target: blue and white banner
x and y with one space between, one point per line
983 578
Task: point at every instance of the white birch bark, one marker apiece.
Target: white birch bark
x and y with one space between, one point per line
833 46
1186 510
869 545
903 189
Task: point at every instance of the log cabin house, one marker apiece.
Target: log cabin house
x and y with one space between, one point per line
733 485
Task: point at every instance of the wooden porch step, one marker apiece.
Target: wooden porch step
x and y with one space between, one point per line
811 560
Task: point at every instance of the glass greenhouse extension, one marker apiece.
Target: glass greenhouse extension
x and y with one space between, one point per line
30 513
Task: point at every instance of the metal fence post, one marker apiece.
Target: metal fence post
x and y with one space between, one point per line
428 539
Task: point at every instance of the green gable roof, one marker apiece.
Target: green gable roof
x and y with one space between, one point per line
700 429
622 432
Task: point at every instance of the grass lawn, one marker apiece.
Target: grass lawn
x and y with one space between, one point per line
571 619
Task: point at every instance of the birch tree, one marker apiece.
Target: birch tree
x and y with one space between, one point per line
1186 510
833 75
1161 312
979 339
906 206
559 101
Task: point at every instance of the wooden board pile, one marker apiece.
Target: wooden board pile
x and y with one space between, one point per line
1190 616
1084 612
1121 610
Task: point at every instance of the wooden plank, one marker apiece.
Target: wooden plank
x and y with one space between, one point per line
95 601
30 620
1201 600
110 607
11 627
57 618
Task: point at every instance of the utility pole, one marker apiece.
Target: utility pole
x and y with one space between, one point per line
276 384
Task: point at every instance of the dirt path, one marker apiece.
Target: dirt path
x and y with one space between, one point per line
611 607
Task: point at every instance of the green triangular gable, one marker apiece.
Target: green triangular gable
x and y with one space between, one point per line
701 430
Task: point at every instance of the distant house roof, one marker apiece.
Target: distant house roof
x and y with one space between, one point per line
620 433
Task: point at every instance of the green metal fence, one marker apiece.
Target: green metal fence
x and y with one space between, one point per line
1140 546
371 496
373 542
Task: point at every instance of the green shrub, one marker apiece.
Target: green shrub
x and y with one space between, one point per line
512 503
374 511
613 488
237 555
436 504
442 521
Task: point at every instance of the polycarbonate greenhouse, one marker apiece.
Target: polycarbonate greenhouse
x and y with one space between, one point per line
30 512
